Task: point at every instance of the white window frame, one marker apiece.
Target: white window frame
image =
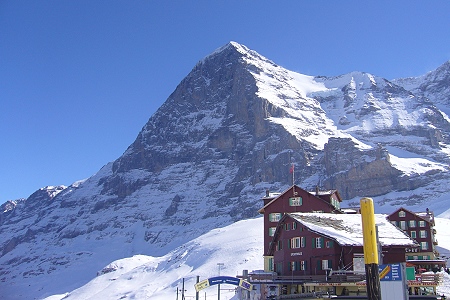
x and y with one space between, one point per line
423 234
325 264
402 214
421 223
319 242
274 217
413 234
295 243
412 223
403 225
424 245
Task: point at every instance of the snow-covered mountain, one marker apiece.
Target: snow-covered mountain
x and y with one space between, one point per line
230 131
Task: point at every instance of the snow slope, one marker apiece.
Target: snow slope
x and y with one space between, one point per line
238 246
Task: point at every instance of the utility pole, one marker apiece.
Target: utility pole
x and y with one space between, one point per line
182 291
218 286
370 249
196 293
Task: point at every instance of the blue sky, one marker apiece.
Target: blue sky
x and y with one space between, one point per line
79 79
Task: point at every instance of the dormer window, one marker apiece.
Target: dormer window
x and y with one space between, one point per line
295 201
401 214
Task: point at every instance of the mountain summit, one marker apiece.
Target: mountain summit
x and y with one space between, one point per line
230 131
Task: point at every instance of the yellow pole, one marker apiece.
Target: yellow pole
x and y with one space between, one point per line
369 231
370 249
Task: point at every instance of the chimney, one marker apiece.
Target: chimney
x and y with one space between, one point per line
317 190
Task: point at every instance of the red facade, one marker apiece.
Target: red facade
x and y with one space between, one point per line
295 199
418 226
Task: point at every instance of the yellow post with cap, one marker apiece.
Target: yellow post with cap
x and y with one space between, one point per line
370 249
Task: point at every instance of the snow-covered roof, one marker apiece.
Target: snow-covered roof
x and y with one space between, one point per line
346 229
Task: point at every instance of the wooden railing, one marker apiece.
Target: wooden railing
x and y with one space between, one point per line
273 277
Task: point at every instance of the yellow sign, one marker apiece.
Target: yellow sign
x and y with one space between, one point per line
201 285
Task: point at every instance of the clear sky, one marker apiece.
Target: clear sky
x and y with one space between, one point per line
79 79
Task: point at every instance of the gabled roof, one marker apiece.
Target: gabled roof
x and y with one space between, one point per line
423 215
347 229
279 195
326 194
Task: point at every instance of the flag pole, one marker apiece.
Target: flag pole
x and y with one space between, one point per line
293 180
291 170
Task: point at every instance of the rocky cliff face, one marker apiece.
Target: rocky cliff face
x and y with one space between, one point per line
230 131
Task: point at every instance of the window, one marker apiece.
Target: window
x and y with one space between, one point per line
295 201
272 231
271 264
415 257
403 225
279 268
423 234
295 242
287 226
294 266
421 223
274 217
401 214
279 245
412 223
303 242
294 225
324 264
394 223
297 265
303 265
413 234
424 245
329 244
318 242
335 202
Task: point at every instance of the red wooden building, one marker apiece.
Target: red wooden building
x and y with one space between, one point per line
420 227
293 200
315 243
